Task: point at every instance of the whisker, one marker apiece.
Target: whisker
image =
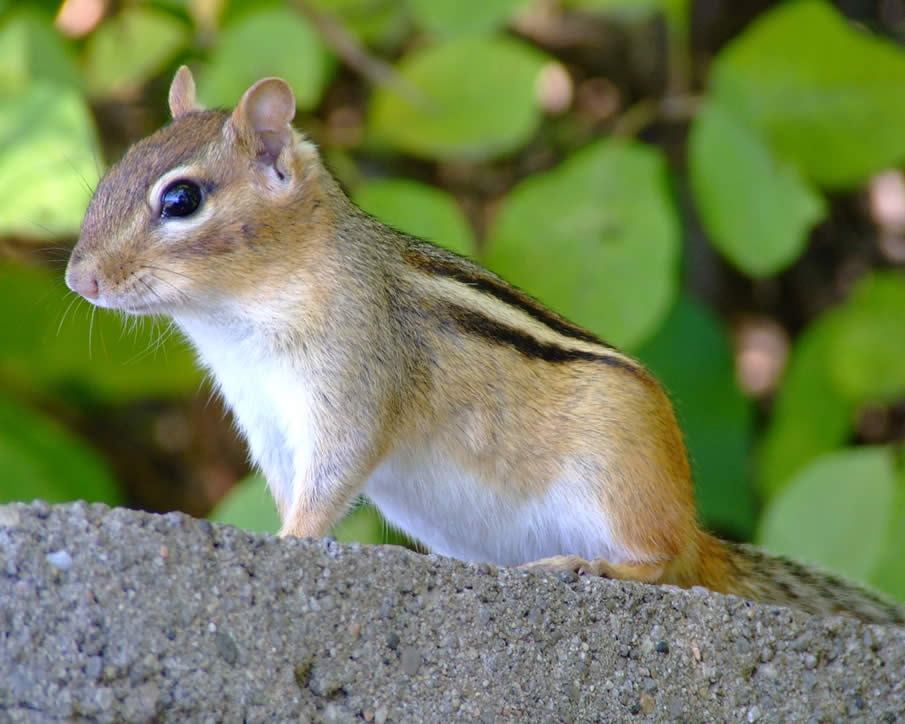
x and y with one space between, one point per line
153 344
156 343
55 255
75 298
170 284
51 292
181 295
162 340
79 174
153 291
91 330
97 165
159 342
45 229
167 271
125 319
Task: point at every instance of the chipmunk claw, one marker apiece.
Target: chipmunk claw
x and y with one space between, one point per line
575 564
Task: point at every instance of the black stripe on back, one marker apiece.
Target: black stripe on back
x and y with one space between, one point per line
489 329
505 293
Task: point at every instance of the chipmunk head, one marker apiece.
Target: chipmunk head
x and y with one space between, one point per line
191 215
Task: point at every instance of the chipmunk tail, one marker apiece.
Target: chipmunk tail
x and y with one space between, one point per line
746 571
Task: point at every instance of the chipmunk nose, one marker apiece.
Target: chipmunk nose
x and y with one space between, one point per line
82 281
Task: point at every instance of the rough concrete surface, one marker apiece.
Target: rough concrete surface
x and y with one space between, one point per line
114 615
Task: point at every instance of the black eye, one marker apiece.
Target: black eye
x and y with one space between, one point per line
180 198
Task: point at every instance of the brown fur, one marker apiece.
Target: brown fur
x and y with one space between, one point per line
404 346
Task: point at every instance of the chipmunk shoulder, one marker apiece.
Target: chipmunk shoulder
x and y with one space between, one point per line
358 359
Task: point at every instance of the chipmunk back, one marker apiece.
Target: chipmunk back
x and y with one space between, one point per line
359 359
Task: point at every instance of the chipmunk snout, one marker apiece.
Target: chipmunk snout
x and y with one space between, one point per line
82 279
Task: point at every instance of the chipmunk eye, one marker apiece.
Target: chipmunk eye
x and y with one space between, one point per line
180 198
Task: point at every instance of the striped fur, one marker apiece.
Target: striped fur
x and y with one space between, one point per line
359 359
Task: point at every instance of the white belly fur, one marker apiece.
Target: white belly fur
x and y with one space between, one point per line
421 491
455 514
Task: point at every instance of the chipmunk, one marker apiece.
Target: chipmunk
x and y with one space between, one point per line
359 359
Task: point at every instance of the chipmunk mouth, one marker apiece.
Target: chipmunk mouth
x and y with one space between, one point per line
132 307
140 302
140 309
130 303
133 301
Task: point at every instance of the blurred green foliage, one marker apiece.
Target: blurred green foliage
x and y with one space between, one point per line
292 50
800 103
449 118
49 346
41 459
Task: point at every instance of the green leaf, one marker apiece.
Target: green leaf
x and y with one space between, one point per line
810 416
596 238
56 339
269 42
714 415
829 97
757 209
453 17
836 512
363 524
418 209
889 570
49 162
41 459
248 505
130 47
30 49
868 360
476 99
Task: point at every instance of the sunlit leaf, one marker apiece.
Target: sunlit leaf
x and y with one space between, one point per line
757 208
712 412
889 570
250 506
418 209
274 41
597 238
835 512
41 459
49 163
868 360
829 97
31 50
810 416
129 47
475 99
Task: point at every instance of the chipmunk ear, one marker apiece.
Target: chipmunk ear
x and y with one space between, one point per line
182 93
263 116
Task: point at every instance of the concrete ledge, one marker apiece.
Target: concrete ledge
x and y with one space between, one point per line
112 615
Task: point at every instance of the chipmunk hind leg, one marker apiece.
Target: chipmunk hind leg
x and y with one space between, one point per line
703 563
643 572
